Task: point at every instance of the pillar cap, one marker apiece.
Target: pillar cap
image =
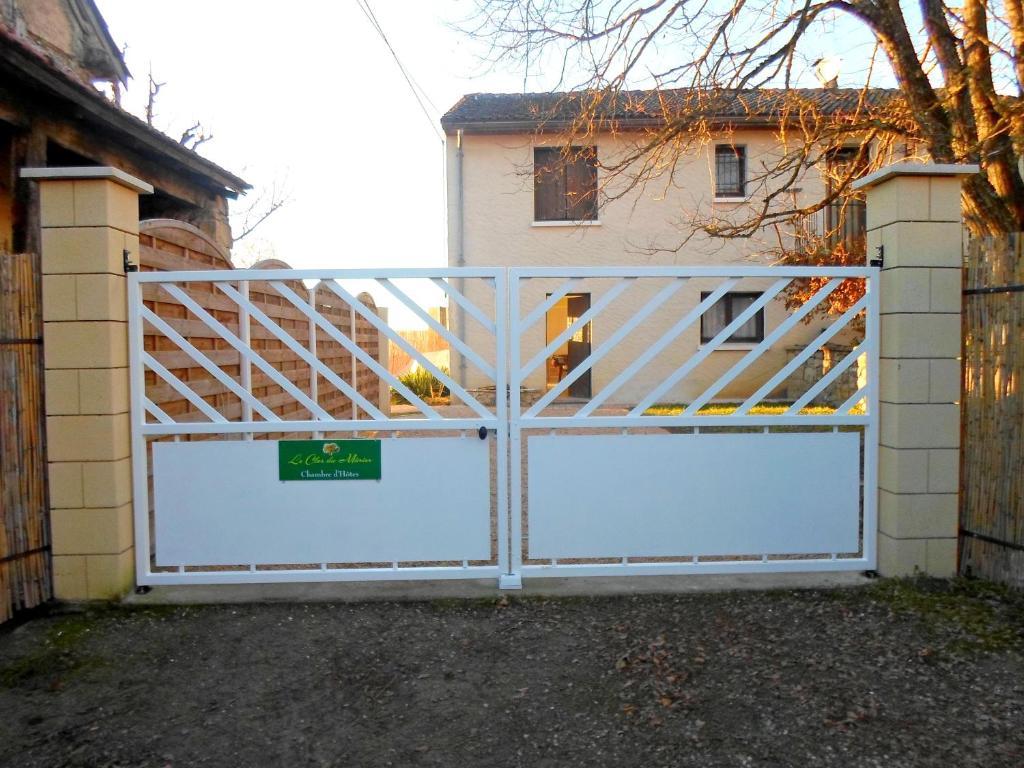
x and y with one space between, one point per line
89 173
915 169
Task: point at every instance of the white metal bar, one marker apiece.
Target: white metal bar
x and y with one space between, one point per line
580 322
683 371
154 578
655 349
244 366
182 388
414 353
157 412
683 567
354 349
519 328
225 275
203 361
855 398
515 432
607 346
799 359
289 341
725 270
821 384
871 432
314 384
502 457
766 343
470 308
340 425
355 361
439 329
617 422
137 394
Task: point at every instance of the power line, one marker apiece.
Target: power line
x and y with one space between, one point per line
417 90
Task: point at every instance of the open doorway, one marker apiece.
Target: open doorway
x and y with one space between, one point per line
574 351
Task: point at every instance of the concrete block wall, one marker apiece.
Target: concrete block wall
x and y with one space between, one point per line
914 224
89 218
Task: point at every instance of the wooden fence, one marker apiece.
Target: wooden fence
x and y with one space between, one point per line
172 245
992 412
25 578
426 340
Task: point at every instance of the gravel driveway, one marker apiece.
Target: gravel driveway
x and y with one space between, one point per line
896 674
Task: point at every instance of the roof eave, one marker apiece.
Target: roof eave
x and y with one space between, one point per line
452 126
112 116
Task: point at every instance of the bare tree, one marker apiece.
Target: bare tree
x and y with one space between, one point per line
959 80
194 135
261 206
154 90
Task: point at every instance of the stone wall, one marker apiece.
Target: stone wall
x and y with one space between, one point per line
816 366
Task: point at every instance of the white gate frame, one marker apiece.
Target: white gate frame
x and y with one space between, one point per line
227 280
508 420
532 420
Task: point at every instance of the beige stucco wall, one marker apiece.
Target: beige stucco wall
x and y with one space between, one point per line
647 227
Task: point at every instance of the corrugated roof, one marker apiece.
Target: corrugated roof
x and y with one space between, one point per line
520 111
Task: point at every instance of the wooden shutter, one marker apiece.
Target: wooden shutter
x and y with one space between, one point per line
581 184
548 185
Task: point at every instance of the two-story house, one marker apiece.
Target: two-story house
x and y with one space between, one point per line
521 194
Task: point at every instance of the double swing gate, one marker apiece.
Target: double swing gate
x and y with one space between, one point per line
592 422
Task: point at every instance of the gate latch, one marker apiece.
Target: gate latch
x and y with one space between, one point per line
482 432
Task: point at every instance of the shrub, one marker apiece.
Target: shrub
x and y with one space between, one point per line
423 384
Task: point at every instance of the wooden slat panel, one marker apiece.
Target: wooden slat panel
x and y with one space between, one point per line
167 248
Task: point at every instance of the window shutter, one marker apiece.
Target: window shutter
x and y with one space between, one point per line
581 185
548 185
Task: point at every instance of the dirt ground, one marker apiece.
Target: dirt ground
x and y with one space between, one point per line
896 674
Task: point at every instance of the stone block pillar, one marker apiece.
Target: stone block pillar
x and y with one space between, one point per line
914 224
89 219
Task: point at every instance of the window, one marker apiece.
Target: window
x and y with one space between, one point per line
565 185
730 171
727 309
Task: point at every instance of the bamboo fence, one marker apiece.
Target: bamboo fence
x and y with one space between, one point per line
25 579
992 411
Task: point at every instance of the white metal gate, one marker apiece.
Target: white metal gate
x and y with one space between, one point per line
647 473
693 489
220 513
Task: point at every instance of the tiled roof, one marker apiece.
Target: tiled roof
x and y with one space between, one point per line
522 110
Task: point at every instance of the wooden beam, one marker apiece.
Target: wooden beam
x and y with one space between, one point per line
29 151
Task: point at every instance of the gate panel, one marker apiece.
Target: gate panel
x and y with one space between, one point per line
647 495
727 430
211 507
250 357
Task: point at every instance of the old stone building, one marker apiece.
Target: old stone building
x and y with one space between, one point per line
60 78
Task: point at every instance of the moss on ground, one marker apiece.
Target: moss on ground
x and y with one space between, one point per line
59 657
974 615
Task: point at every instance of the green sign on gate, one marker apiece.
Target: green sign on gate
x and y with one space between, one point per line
328 459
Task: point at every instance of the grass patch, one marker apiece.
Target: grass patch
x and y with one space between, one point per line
975 615
728 409
59 657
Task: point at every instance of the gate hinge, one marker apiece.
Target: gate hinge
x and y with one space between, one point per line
879 260
129 266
